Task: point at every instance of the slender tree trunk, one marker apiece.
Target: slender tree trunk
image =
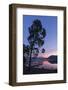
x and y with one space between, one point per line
30 60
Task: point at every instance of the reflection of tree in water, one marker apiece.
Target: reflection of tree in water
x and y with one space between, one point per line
36 40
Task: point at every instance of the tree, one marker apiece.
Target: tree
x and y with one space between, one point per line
36 37
43 50
25 53
35 52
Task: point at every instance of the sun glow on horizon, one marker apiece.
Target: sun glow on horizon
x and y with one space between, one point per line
47 54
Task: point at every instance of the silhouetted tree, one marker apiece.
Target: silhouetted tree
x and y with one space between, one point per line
36 37
43 50
25 53
35 52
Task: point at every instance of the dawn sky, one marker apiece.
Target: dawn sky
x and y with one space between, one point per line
50 24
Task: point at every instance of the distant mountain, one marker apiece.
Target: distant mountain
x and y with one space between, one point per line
52 59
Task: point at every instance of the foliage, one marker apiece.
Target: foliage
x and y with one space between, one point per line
36 38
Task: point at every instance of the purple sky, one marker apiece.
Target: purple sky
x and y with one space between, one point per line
50 24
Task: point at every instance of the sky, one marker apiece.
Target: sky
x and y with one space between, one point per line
50 24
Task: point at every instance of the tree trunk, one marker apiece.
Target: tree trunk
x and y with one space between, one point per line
30 60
